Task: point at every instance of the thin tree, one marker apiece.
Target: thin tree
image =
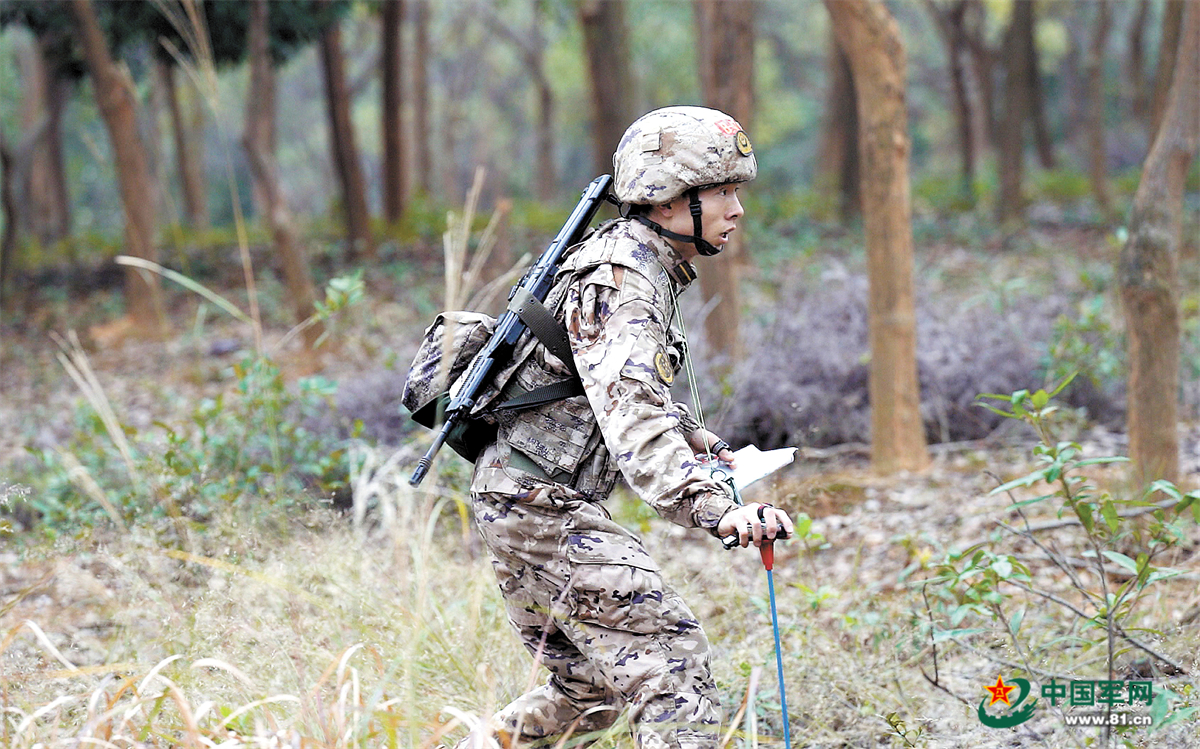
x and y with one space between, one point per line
1172 24
725 38
1148 270
1135 62
951 21
871 38
1017 104
606 44
1037 97
531 47
187 137
8 205
395 164
983 63
118 107
343 145
837 158
259 144
421 116
1094 65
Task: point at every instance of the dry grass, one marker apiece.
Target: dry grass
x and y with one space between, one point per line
384 628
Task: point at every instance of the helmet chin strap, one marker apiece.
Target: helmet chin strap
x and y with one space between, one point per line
703 246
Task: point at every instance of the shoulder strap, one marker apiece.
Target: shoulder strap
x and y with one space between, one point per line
553 336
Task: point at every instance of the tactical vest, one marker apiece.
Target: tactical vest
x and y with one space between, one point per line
561 441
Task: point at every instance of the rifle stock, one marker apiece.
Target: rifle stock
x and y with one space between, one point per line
499 348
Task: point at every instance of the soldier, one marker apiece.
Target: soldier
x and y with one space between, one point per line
581 591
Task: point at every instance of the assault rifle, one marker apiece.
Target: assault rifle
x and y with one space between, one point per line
525 303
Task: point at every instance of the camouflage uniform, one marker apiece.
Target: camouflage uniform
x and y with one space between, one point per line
581 591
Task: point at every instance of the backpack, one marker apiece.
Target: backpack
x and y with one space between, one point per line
441 362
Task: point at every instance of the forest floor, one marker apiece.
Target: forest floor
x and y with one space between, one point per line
381 625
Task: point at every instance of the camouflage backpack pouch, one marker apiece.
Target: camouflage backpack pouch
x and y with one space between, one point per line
446 351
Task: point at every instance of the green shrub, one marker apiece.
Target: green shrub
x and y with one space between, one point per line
246 451
1061 185
1105 552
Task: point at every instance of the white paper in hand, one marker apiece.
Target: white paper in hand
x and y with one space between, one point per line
754 464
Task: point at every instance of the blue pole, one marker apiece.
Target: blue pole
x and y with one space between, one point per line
767 550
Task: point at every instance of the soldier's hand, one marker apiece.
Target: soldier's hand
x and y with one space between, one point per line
754 524
703 441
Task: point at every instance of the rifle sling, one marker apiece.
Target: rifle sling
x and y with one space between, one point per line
553 336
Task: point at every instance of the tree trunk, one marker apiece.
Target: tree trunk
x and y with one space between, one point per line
260 105
1097 153
118 107
60 94
531 46
44 211
1172 22
8 204
837 160
547 180
871 38
342 141
37 199
1037 100
983 65
1135 66
188 166
951 23
394 161
1148 270
606 43
1017 96
725 41
421 117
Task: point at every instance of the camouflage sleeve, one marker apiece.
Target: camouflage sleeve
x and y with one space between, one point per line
619 340
687 423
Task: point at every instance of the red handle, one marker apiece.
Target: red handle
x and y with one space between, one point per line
767 552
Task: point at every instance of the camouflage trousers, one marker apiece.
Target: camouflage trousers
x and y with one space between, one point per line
591 605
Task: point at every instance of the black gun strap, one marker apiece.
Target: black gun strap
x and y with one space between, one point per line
555 391
543 325
553 336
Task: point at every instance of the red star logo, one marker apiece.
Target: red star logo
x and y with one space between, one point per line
1000 692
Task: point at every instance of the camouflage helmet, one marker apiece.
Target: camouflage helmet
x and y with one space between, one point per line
666 152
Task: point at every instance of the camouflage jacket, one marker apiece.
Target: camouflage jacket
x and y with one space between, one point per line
616 295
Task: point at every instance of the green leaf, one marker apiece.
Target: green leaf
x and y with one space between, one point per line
1102 461
1040 399
1122 560
959 614
1162 573
1063 384
1014 624
1000 411
1166 487
1084 511
950 634
1158 708
1109 511
1027 480
1026 502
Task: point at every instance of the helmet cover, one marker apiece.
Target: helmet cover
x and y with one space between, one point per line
668 151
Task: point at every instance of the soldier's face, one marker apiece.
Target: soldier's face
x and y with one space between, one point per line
720 209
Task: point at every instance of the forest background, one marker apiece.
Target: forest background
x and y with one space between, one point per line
182 425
